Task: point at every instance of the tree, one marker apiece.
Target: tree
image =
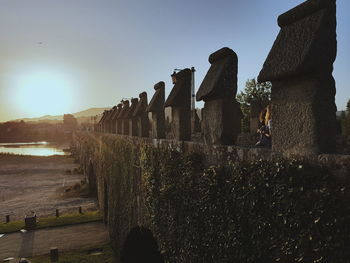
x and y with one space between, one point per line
254 92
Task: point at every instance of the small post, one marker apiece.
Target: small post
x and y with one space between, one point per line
54 254
57 213
80 210
30 221
8 219
193 95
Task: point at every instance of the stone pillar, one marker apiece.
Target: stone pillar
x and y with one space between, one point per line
116 120
109 120
54 254
113 119
30 221
123 116
180 102
100 123
156 108
300 66
141 116
105 122
133 129
218 90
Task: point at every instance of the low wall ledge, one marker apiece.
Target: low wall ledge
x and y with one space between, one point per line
339 164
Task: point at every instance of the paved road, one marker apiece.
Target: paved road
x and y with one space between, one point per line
38 242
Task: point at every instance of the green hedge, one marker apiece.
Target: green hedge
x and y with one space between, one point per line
282 211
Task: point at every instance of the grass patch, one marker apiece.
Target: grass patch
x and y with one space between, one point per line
103 254
68 219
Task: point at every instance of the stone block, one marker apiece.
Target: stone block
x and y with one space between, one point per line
101 122
156 107
220 116
179 100
54 254
300 66
133 129
123 117
221 122
113 118
30 221
141 115
118 120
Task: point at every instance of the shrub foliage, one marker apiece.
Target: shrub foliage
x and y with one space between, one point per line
281 211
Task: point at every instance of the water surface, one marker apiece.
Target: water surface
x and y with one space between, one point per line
32 148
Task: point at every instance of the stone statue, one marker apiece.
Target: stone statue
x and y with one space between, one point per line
123 116
133 129
141 115
156 108
220 114
300 66
180 102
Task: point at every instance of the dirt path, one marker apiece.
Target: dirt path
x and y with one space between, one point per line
29 183
39 242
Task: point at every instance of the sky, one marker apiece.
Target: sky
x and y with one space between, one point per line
64 56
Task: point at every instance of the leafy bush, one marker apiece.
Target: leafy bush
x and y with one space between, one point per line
281 211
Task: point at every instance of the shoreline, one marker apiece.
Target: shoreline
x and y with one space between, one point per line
37 183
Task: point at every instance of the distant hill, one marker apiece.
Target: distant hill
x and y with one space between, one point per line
90 112
81 115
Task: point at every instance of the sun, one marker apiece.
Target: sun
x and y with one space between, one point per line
42 93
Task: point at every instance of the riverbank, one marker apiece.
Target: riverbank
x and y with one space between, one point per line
36 183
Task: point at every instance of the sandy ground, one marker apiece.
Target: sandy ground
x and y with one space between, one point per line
29 183
39 242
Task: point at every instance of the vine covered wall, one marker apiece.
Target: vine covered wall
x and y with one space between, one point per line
244 209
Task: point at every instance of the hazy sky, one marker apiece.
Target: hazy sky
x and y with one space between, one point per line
63 56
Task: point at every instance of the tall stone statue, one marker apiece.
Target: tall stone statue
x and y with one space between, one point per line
156 107
133 129
118 120
113 119
221 114
105 123
180 102
101 122
141 116
123 116
109 120
300 66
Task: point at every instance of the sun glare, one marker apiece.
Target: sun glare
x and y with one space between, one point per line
42 93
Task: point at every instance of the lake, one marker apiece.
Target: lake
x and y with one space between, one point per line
32 148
